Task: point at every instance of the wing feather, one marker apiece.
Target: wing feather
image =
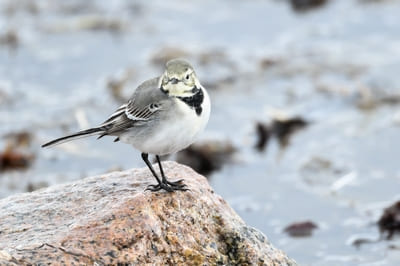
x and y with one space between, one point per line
140 109
116 114
127 115
140 114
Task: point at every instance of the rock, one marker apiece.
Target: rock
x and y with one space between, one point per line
208 156
304 5
359 240
389 223
16 154
10 159
284 128
281 128
110 219
301 229
10 39
263 135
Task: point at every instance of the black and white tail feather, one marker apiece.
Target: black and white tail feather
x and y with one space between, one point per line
101 130
122 119
77 135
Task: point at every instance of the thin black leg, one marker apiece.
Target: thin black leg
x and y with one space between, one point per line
164 178
161 169
167 186
145 158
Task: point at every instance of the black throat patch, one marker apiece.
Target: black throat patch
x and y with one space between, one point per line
194 101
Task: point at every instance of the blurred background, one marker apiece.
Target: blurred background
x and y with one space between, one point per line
303 139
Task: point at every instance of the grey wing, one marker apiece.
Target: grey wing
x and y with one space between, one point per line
127 116
137 112
146 101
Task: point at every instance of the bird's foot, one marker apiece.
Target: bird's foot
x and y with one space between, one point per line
174 183
168 186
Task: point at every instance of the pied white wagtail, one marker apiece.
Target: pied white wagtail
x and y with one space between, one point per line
163 116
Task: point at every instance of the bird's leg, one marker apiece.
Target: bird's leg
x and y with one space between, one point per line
145 158
177 185
161 185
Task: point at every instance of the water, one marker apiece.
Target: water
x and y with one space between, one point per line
335 66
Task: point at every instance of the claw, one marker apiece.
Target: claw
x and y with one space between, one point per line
153 188
175 183
158 187
168 186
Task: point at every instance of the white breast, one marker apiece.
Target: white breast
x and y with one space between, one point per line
176 133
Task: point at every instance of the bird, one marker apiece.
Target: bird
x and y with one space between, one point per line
164 115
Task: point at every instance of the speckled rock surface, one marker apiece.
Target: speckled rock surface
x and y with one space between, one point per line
109 219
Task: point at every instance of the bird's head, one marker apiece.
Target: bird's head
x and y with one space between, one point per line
179 79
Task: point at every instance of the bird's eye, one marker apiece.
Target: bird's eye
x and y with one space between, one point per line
187 77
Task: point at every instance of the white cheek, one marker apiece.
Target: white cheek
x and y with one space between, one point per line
179 89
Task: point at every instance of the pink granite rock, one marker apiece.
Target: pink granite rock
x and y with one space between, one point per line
109 219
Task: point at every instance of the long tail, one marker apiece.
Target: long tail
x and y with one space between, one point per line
77 135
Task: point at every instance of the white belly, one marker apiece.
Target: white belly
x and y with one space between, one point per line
174 134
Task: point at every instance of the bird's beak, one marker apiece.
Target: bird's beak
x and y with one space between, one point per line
174 80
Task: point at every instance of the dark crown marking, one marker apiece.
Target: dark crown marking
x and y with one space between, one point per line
194 101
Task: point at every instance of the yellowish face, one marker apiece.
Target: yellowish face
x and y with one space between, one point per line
179 79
